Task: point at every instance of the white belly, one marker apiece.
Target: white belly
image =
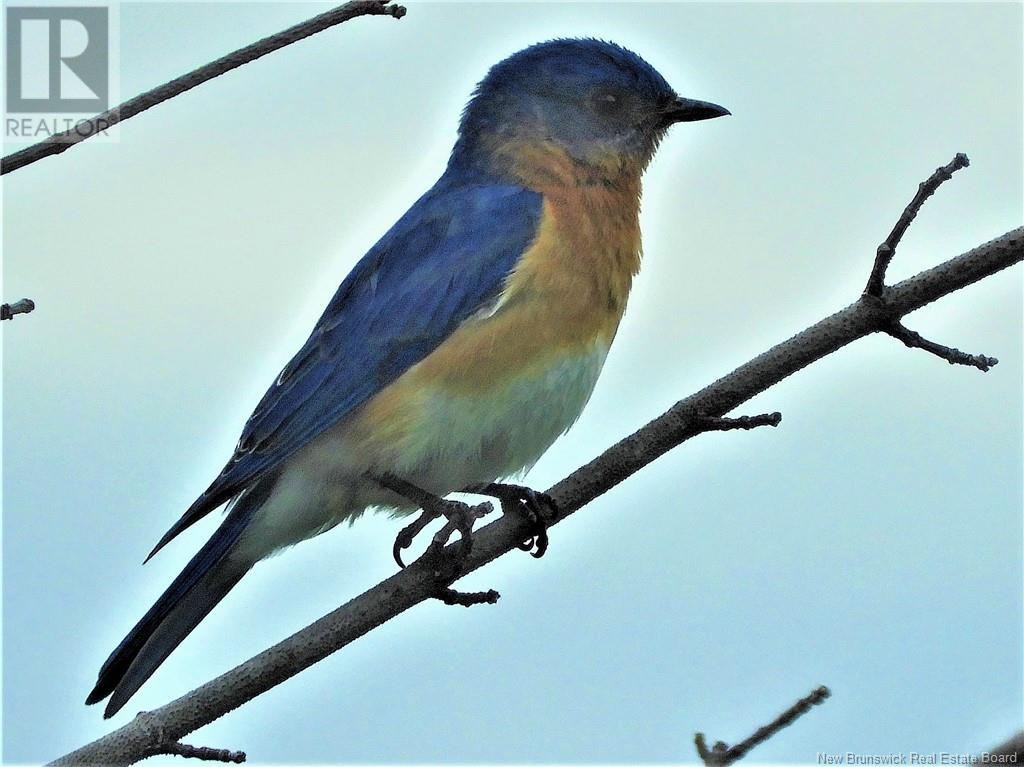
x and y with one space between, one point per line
466 439
461 440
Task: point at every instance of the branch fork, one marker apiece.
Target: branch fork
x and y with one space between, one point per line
164 746
876 288
886 251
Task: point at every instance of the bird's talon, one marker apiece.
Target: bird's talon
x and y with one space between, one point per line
396 552
402 542
542 544
460 516
522 501
408 534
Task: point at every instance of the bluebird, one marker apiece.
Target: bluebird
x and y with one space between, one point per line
459 348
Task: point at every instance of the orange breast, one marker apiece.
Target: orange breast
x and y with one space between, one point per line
566 295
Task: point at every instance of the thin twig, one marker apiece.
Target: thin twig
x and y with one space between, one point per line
416 583
953 356
24 306
885 252
883 257
721 755
744 422
156 733
60 142
201 752
468 598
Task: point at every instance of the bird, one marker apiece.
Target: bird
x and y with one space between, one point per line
461 346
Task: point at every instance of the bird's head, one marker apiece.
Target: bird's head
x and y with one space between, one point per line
594 103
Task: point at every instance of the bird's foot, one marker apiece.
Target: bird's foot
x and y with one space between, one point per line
537 508
460 519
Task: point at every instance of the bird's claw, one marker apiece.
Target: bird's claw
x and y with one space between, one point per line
408 534
461 518
536 507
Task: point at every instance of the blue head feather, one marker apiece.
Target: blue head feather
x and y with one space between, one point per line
585 95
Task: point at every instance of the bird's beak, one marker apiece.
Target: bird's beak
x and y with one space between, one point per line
690 110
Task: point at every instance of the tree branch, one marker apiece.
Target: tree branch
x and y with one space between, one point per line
886 251
884 255
469 598
745 422
721 755
201 752
60 142
24 306
953 356
684 420
1010 752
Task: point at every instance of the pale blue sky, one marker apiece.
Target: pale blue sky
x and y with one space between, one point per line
871 543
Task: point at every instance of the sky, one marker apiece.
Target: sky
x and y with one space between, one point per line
871 543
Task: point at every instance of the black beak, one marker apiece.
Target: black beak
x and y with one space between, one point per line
690 110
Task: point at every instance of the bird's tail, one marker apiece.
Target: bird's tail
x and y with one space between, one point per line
211 574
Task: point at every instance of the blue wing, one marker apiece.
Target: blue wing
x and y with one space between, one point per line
444 259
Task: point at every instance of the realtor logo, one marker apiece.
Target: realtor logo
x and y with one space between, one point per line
58 60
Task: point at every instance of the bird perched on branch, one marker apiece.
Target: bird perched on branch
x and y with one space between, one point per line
461 346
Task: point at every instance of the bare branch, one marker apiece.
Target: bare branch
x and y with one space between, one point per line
156 734
418 583
884 255
953 356
203 753
745 422
1010 752
721 755
24 306
886 251
469 598
60 142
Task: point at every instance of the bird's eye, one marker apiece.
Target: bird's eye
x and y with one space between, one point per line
606 103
